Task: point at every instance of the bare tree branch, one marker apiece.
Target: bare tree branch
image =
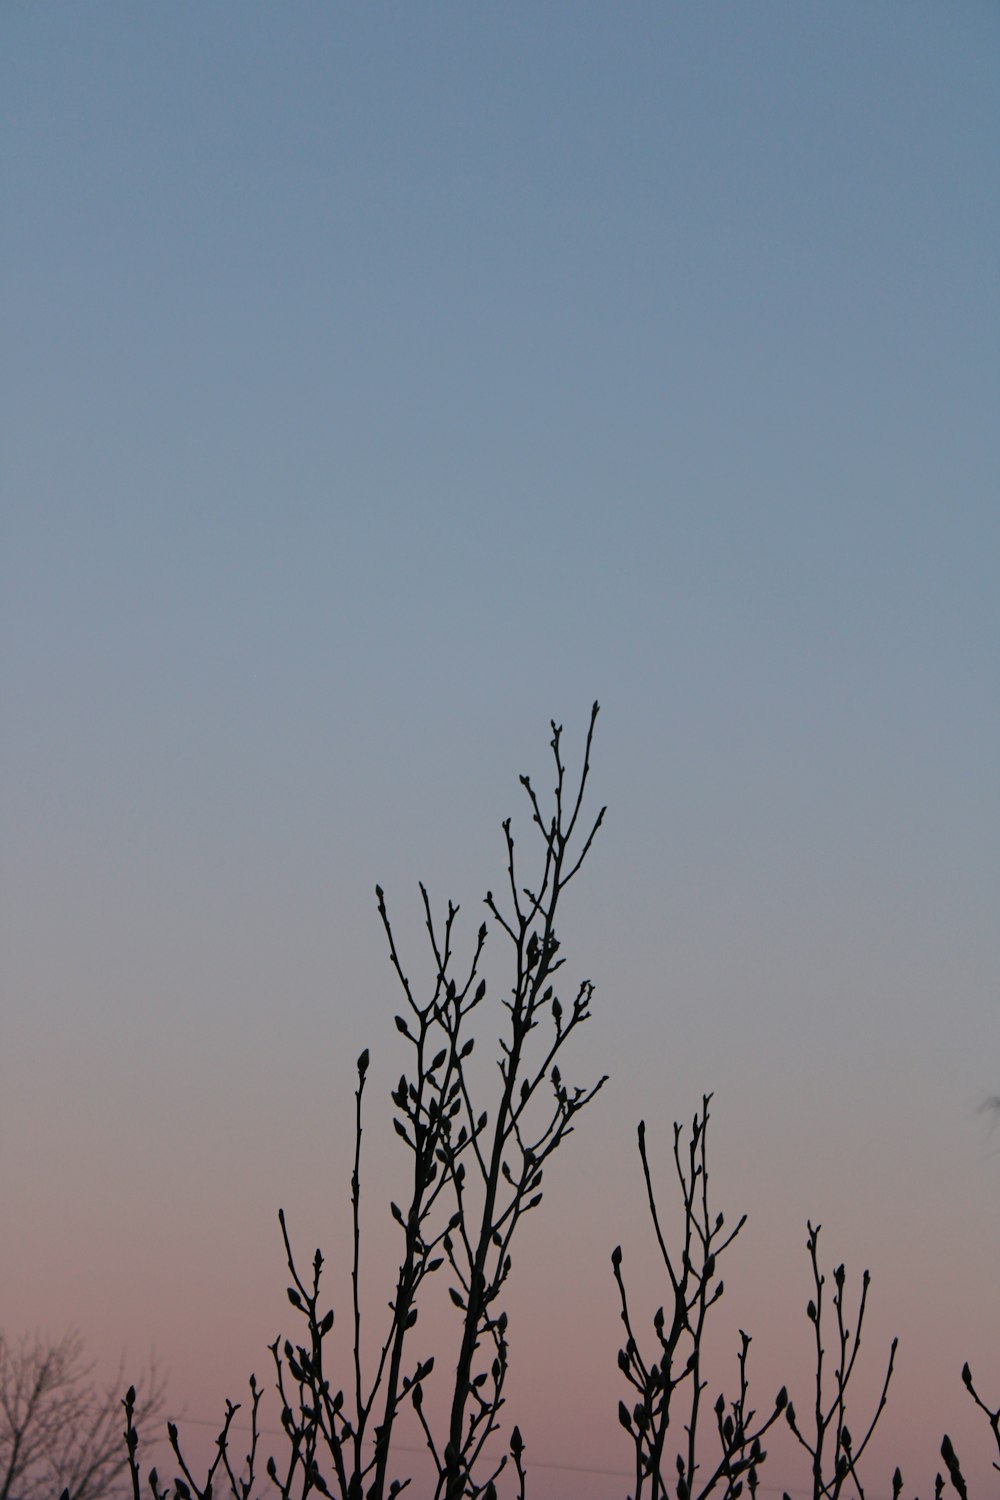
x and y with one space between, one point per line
60 1431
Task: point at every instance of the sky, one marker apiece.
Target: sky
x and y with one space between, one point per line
380 383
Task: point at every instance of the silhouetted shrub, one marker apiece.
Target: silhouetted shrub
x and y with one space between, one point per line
476 1170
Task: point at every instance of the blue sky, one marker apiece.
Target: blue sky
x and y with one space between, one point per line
382 381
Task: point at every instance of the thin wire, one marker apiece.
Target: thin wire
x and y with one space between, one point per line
533 1463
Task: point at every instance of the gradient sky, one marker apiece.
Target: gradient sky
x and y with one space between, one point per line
379 382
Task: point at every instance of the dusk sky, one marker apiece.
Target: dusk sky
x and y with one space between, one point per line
380 382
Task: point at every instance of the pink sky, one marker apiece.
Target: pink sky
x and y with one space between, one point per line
383 382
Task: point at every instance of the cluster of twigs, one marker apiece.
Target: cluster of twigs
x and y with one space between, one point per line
672 1376
475 1172
673 1372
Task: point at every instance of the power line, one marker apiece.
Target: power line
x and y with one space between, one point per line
533 1463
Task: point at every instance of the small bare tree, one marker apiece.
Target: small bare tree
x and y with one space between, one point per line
476 1169
834 1453
671 1378
60 1431
724 1457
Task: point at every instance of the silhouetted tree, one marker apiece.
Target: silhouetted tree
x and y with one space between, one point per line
475 1169
833 1451
60 1432
699 1458
670 1380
